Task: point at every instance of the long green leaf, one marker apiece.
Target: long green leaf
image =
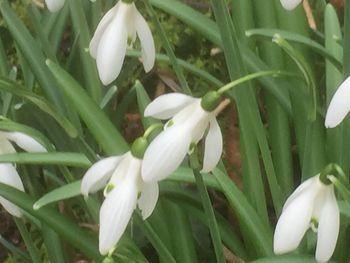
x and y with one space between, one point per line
73 234
59 194
80 26
296 38
33 55
40 102
210 30
51 158
99 125
259 234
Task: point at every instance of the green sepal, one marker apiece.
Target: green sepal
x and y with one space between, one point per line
139 147
211 101
108 260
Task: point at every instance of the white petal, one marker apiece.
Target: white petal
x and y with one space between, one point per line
339 105
167 105
97 176
213 147
11 208
101 29
54 5
9 176
328 228
129 168
293 223
5 145
148 199
25 141
146 39
290 4
115 214
112 49
300 189
165 154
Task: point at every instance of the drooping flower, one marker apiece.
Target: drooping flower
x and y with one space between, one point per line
313 204
290 4
8 173
121 177
339 106
188 124
116 31
54 5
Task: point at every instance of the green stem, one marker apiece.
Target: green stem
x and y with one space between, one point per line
252 76
213 226
151 128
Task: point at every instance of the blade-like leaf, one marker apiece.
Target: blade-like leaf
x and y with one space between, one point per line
62 193
99 125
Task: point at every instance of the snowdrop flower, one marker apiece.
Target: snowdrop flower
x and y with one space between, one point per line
188 124
290 4
116 31
123 174
313 204
339 106
54 5
8 173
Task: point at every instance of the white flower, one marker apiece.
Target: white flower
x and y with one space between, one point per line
116 31
312 203
188 125
54 5
339 106
8 173
123 174
290 4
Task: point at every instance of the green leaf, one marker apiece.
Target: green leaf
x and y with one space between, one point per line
304 68
50 158
80 26
200 73
71 232
34 56
59 194
154 239
99 125
40 102
258 233
142 101
210 30
296 38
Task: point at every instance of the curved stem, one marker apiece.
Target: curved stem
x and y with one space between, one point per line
252 76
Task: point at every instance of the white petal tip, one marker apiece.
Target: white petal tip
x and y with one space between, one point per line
290 4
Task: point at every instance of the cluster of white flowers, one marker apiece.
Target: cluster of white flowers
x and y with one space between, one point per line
123 177
132 173
313 204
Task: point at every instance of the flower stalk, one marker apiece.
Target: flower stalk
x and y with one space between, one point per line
208 208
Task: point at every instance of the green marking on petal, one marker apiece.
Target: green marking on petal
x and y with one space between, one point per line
169 124
314 224
109 187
